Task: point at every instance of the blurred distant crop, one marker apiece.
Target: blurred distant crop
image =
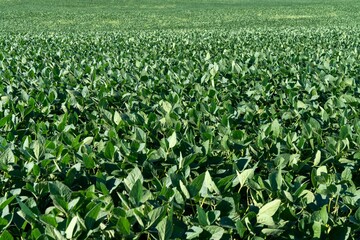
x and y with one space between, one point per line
128 15
180 134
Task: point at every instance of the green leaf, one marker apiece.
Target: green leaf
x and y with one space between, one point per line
36 149
92 216
49 220
123 225
5 222
88 162
357 214
85 92
172 140
88 140
196 185
4 120
6 235
224 142
184 190
62 123
59 189
136 192
133 176
320 170
270 208
117 118
212 216
4 202
202 218
166 106
164 228
276 180
272 231
215 231
245 175
346 175
29 215
7 157
54 233
241 228
109 150
316 227
60 203
265 219
324 215
194 232
301 104
203 185
276 128
308 195
139 217
208 185
317 158
207 56
345 131
140 135
73 203
206 146
155 216
267 211
35 233
70 230
314 124
24 96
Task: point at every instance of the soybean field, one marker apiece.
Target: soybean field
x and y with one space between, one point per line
179 119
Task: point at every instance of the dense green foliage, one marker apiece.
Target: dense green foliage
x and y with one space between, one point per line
218 126
180 135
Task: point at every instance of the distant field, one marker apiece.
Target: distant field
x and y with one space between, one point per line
101 15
